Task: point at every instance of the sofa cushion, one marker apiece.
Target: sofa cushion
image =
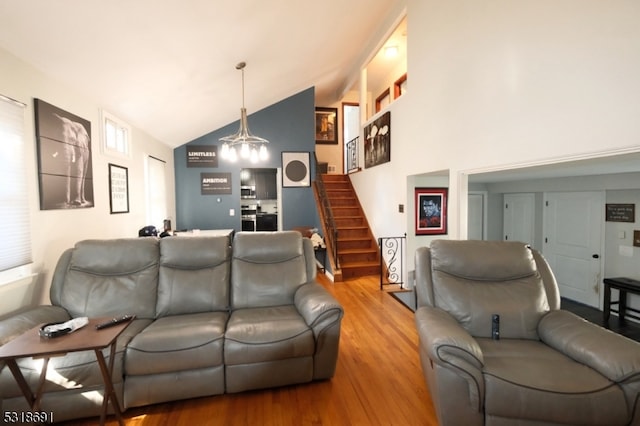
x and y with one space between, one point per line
194 275
528 379
110 278
267 268
267 334
474 280
176 343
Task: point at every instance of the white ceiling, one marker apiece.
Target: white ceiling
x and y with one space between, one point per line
168 67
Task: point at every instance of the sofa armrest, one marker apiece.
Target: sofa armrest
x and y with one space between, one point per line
318 308
16 324
445 339
611 354
450 346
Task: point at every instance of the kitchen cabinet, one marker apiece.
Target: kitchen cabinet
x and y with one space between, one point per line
262 181
266 188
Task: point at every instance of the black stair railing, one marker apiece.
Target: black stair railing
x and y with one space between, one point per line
392 260
352 155
331 239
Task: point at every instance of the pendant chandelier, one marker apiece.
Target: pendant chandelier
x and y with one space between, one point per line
251 147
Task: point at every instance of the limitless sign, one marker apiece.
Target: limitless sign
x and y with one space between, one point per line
202 156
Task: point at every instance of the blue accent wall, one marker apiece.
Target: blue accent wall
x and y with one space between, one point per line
288 126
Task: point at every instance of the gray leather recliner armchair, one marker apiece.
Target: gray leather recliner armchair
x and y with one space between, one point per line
549 366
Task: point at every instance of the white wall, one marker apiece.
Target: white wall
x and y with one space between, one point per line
498 83
53 231
334 154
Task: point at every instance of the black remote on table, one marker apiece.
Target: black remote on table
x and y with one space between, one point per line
114 321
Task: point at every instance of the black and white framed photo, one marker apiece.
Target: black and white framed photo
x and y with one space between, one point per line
118 189
295 169
377 144
65 170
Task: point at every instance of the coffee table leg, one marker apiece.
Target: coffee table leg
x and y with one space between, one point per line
109 391
22 383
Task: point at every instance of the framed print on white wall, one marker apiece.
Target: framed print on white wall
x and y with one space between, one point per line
295 169
118 189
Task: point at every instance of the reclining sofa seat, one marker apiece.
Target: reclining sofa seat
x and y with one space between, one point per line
180 354
284 328
549 367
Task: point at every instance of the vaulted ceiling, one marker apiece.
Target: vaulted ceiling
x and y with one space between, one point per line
168 67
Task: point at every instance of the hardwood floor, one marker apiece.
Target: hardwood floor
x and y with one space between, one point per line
378 380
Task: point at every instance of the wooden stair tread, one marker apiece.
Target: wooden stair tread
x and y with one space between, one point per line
359 250
358 264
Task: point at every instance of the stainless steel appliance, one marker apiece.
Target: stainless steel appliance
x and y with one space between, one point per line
248 216
247 192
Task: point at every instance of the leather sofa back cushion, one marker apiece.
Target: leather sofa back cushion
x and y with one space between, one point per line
112 277
194 275
478 279
267 269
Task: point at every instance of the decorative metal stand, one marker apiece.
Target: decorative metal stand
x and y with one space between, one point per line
392 260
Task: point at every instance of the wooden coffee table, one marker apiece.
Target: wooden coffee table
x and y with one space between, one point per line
30 344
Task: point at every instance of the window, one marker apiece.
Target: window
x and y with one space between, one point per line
400 86
156 192
383 100
117 136
15 227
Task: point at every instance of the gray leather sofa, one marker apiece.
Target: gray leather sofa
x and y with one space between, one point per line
212 316
549 367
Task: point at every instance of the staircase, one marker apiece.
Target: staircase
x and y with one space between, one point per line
358 253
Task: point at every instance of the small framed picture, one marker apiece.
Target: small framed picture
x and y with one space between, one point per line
327 125
118 189
431 211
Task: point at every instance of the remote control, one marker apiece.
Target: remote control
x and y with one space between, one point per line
495 327
114 321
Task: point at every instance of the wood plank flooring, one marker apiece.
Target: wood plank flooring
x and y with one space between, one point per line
378 380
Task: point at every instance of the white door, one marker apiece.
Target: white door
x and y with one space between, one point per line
572 243
519 217
475 215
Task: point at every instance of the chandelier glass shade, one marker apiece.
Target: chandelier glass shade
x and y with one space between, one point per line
243 144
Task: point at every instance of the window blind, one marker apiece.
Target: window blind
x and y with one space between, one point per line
15 231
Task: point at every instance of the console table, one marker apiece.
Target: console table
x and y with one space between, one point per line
30 344
624 286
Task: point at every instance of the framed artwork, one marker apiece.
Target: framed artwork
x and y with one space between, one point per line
377 144
431 211
65 171
295 169
118 189
327 125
